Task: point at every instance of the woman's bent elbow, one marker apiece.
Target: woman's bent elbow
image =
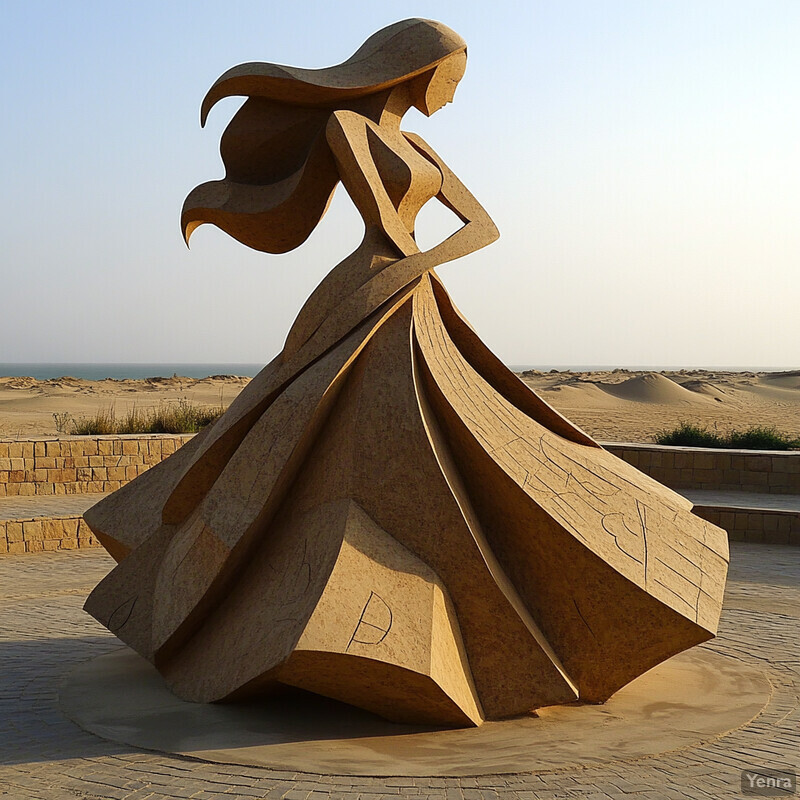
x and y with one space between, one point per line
489 231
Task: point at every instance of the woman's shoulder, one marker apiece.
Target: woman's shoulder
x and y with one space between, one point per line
352 124
344 119
423 148
350 130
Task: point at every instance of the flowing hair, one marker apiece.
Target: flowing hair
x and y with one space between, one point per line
280 174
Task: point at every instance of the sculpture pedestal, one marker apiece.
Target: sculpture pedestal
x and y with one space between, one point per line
693 697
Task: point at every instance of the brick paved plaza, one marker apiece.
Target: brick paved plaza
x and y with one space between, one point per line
44 634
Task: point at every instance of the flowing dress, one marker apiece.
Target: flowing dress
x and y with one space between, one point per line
388 516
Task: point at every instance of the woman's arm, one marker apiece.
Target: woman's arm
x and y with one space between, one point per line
334 309
347 135
479 229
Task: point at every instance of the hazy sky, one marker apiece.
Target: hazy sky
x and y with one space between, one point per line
641 159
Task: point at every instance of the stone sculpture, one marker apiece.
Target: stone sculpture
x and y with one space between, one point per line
386 515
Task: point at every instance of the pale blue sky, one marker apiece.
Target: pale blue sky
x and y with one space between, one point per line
641 159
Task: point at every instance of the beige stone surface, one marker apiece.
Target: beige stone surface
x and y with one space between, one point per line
81 465
751 471
692 699
385 515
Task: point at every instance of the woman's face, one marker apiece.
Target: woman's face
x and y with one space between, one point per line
441 87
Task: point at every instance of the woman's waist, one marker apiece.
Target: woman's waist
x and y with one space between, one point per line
377 243
371 276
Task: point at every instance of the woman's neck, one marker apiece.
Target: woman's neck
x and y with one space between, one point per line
386 108
398 102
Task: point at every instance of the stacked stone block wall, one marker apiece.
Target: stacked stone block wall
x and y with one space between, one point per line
42 534
79 464
768 472
73 465
94 464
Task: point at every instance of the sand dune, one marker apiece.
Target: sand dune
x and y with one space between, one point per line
704 388
613 405
583 393
781 380
652 388
623 405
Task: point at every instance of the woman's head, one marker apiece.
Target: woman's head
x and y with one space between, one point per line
396 54
434 90
280 174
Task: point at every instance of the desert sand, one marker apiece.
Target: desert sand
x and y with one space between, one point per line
617 405
627 406
28 406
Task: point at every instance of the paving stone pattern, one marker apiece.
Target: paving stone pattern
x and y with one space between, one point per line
44 756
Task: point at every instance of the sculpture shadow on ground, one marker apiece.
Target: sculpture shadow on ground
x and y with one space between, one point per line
692 698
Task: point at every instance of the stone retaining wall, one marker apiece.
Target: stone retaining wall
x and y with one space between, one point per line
770 472
38 535
79 464
88 464
94 464
760 526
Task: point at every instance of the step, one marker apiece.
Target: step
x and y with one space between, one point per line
62 505
743 500
47 522
750 516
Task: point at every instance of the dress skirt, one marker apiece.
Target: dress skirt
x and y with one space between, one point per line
396 521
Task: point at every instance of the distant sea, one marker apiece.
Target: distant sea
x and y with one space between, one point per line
98 372
642 368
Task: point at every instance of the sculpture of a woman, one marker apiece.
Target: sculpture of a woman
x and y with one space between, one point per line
386 515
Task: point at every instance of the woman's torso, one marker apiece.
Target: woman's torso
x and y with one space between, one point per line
410 180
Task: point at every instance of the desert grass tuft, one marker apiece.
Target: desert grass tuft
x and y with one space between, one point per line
179 417
761 438
688 434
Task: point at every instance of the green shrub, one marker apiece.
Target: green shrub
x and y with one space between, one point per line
760 438
180 417
688 434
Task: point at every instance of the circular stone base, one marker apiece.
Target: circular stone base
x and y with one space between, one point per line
693 697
